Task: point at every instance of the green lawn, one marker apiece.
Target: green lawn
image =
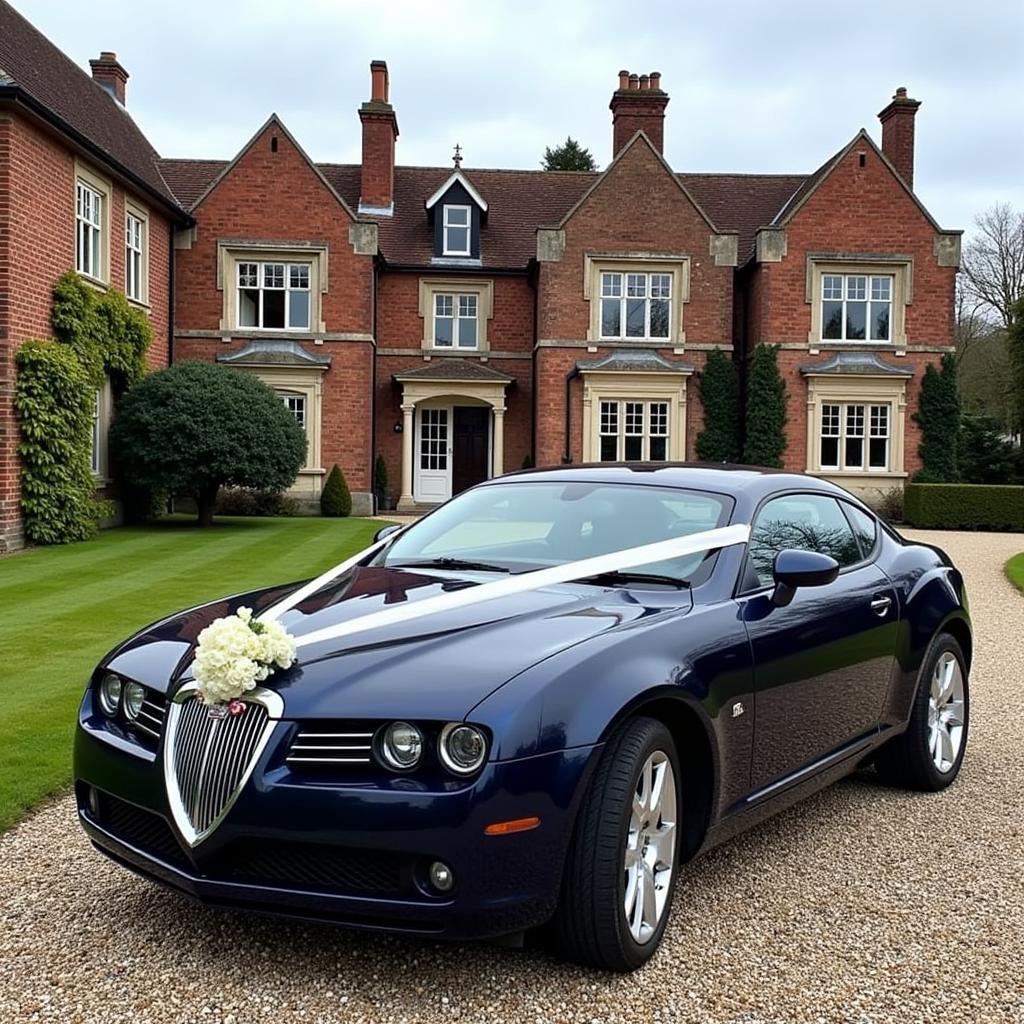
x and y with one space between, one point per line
1015 571
63 608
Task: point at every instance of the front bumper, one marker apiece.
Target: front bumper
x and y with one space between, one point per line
354 854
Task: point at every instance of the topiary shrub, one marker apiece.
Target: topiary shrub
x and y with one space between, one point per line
719 439
380 481
196 427
53 399
336 499
938 415
765 441
964 506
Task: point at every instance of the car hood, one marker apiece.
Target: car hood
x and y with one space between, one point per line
438 666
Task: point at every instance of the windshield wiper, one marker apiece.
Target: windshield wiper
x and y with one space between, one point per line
625 576
450 563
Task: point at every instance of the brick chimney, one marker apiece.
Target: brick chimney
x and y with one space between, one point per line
380 129
107 72
638 104
898 133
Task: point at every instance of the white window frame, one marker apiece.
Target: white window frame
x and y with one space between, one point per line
847 280
261 275
628 281
675 265
297 403
821 265
459 303
850 420
102 414
616 417
136 279
446 249
430 287
90 211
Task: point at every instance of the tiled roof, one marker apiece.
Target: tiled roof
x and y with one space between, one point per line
518 203
454 369
634 361
857 364
262 353
33 69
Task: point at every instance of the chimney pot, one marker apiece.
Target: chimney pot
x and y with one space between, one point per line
634 81
638 105
645 82
623 79
379 81
108 73
655 79
898 133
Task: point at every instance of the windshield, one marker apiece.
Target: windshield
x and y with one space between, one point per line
527 525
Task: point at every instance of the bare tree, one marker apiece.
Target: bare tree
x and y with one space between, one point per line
993 264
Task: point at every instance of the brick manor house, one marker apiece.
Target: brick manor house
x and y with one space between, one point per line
459 320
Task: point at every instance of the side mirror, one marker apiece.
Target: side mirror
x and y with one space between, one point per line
386 531
794 569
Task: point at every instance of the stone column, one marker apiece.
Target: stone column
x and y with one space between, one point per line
406 499
499 441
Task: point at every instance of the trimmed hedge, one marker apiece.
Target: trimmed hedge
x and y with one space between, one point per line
964 506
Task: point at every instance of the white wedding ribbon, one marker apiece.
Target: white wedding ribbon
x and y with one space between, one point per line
628 558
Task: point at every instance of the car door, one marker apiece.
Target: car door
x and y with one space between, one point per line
822 664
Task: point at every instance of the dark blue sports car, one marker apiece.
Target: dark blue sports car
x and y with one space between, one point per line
549 753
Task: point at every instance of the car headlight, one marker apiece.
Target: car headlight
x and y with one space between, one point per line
462 748
109 692
133 697
401 746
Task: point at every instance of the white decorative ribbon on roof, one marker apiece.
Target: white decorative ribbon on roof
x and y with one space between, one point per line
629 558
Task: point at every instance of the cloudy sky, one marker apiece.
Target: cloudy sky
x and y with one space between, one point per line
755 85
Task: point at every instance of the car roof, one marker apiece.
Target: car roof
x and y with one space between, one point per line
751 482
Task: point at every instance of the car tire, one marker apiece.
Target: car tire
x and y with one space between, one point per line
625 839
928 755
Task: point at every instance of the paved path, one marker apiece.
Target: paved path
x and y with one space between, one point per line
863 905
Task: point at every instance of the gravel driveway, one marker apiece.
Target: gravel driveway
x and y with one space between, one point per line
862 904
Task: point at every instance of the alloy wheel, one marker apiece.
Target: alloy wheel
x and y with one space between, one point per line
946 712
650 847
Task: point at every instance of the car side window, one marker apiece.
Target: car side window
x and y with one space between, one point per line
806 522
864 527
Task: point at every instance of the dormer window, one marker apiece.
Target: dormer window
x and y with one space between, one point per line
458 223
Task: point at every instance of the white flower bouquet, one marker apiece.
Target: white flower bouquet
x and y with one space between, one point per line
237 652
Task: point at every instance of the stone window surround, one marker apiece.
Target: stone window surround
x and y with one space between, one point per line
859 390
899 267
482 289
306 381
87 176
675 264
601 385
231 253
139 212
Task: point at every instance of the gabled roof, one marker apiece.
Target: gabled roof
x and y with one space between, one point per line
274 353
454 369
37 74
633 361
461 179
854 364
274 120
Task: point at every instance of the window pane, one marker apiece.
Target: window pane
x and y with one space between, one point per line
636 285
273 308
467 332
611 319
659 318
856 288
443 330
611 285
609 417
444 305
248 307
661 286
659 449
832 287
273 275
881 288
456 215
298 309
467 305
830 453
864 527
856 320
456 240
878 453
248 275
298 275
879 321
832 321
634 449
609 449
658 412
634 417
854 453
636 313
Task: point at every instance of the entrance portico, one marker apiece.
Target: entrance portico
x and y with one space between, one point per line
453 429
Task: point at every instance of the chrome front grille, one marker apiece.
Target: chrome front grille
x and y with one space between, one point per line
331 743
151 717
208 759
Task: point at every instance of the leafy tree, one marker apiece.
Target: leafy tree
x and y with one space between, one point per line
765 442
569 156
335 498
986 456
938 415
195 427
719 440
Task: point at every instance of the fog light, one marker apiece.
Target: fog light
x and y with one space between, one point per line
109 692
441 877
134 695
93 800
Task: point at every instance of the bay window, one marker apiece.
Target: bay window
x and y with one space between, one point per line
633 431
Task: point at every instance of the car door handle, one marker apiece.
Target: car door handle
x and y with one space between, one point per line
881 605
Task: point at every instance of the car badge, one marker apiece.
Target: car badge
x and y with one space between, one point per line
217 711
738 709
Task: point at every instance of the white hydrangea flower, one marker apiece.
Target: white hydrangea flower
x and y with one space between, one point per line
235 653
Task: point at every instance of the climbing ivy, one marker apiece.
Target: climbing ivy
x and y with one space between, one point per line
97 335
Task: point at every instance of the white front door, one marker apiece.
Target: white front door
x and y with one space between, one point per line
432 469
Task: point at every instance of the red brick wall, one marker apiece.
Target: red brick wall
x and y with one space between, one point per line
37 236
276 196
855 210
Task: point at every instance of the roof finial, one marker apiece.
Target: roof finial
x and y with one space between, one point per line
457 156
